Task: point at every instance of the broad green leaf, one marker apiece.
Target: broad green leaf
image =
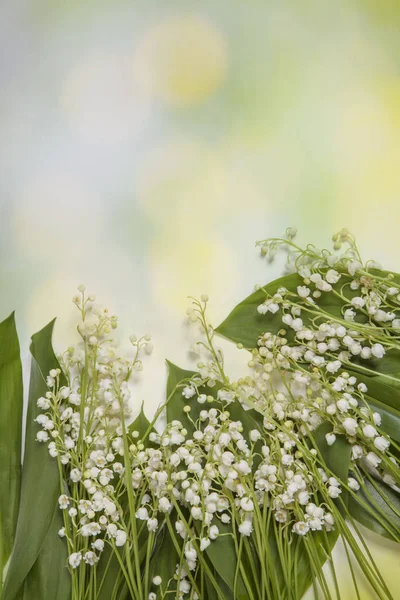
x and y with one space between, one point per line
49 574
223 557
113 570
384 399
222 552
250 419
165 558
375 499
337 456
390 418
337 459
11 401
211 593
379 388
143 426
177 401
40 488
245 325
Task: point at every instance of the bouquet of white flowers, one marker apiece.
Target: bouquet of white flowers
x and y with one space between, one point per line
236 489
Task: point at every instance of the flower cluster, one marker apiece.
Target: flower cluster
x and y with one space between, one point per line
83 418
246 457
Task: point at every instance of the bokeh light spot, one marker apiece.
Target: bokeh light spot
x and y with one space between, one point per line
181 60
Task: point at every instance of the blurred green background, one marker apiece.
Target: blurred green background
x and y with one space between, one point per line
145 146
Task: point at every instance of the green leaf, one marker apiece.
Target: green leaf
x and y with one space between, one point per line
337 456
113 579
212 593
49 576
143 426
165 558
11 402
222 552
177 401
337 459
390 418
376 501
37 552
222 555
245 325
384 399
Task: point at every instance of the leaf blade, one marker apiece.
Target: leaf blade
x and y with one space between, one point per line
39 490
363 516
11 403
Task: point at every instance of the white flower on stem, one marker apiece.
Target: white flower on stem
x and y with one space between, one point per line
75 475
334 491
303 291
353 266
381 443
63 501
296 324
65 392
247 504
369 431
301 528
65 458
303 497
333 366
372 459
343 405
188 391
281 516
120 537
356 452
74 559
184 586
350 425
225 518
157 580
204 543
377 418
246 528
214 532
42 436
226 396
164 504
196 512
353 484
152 524
74 398
69 442
358 302
254 435
43 403
329 521
98 545
330 438
332 276
90 558
378 350
112 530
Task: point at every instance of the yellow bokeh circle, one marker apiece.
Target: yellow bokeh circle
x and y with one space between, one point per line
181 60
